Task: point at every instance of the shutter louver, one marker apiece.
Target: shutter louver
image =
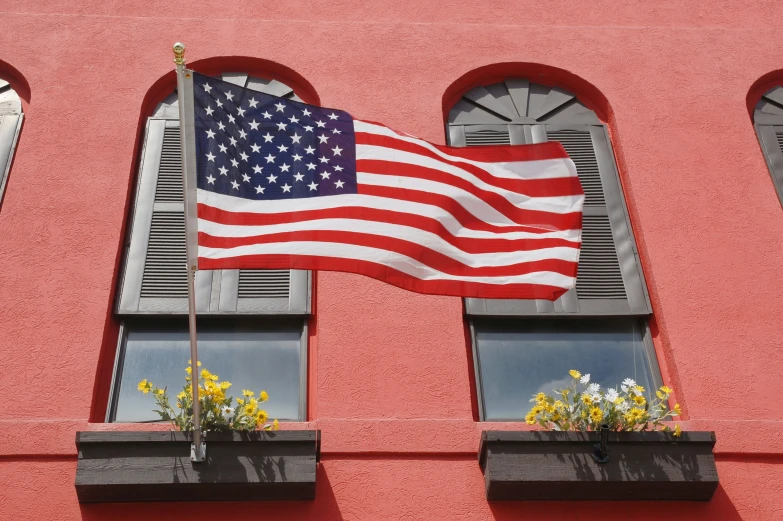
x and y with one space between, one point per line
609 279
154 278
768 120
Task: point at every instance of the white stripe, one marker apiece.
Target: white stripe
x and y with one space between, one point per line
391 259
240 205
537 169
474 205
558 204
406 233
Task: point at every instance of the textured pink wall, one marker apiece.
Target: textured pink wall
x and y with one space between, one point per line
389 382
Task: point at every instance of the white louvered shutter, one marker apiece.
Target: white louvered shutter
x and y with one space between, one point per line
768 120
10 124
609 278
154 278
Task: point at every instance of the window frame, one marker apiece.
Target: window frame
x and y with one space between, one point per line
768 126
11 119
294 321
641 321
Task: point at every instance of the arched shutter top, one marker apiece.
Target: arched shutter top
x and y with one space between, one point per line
769 109
517 101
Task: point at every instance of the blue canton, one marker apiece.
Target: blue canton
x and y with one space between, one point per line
257 146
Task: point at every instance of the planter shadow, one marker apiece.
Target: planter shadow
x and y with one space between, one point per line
560 466
156 466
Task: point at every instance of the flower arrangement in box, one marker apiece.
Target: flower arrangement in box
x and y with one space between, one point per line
583 407
217 412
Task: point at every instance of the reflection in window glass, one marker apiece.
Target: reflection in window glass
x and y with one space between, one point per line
245 356
519 360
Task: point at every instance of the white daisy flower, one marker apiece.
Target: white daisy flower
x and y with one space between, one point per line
227 411
636 391
596 397
593 388
624 388
585 379
624 407
628 383
611 395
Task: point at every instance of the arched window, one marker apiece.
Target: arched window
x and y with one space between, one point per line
606 333
768 120
252 323
10 123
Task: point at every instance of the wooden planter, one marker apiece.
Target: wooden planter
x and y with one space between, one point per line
560 466
156 466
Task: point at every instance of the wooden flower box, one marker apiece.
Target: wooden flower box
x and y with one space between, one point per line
156 466
560 466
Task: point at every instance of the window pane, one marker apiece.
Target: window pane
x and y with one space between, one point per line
237 352
517 361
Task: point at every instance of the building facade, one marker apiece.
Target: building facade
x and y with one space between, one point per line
672 112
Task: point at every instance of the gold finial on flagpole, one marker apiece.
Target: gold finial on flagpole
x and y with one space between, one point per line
179 53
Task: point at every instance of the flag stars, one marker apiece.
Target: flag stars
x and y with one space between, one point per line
310 166
229 95
323 159
282 148
325 175
266 115
232 141
234 185
256 148
297 157
270 158
323 138
306 113
308 128
234 163
284 167
333 116
280 107
338 184
293 119
286 188
309 150
252 102
257 169
207 87
217 102
281 125
254 125
231 119
210 179
338 168
298 176
335 131
336 151
295 138
221 126
268 137
223 148
320 124
209 111
210 157
241 112
245 178
272 178
242 134
312 186
223 170
260 189
243 156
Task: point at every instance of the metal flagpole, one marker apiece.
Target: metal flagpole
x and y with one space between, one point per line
187 136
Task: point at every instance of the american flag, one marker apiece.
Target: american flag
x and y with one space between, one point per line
284 184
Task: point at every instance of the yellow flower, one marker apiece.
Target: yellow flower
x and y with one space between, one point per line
263 396
190 362
530 419
639 388
677 409
240 401
586 399
574 373
619 400
261 417
538 409
665 390
661 395
559 405
225 385
677 430
159 392
247 393
540 397
276 424
189 370
145 386
596 414
639 400
182 395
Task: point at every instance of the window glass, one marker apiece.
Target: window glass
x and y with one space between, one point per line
518 360
250 356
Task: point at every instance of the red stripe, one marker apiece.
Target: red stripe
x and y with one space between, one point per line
427 224
550 187
385 274
427 256
496 153
552 221
463 217
569 221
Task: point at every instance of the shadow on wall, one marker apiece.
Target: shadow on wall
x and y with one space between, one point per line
323 508
719 509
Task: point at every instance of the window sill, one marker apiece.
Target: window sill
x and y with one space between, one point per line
539 465
156 466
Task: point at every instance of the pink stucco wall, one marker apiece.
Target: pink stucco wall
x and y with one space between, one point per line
389 380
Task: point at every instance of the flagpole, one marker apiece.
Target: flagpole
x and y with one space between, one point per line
187 137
